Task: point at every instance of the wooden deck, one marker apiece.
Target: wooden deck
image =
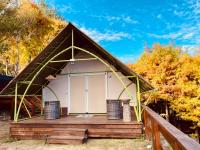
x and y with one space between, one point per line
98 127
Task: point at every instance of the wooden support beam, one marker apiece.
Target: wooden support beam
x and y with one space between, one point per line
28 112
49 67
41 107
17 95
12 109
72 44
15 107
72 60
128 77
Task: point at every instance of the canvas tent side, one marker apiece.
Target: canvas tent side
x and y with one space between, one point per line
81 86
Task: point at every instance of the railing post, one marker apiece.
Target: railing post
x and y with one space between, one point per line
146 126
155 136
176 147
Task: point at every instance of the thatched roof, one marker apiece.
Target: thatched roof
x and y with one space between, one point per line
60 42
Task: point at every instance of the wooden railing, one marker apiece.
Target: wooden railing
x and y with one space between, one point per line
157 127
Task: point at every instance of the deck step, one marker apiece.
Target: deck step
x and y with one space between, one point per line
116 133
66 140
67 136
69 132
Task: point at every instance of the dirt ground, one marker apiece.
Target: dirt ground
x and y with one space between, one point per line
7 143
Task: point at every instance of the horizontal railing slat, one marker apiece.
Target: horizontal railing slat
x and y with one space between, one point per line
176 138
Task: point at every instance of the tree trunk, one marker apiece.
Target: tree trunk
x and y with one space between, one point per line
6 66
17 61
197 134
167 112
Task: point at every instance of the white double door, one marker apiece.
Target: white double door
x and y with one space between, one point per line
88 93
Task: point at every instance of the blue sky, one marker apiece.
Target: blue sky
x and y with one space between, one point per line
123 27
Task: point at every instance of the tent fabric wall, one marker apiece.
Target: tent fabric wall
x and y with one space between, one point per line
60 84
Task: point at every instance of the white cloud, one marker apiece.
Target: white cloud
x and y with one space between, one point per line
179 13
107 36
191 49
159 16
111 18
187 25
173 35
128 19
186 32
188 36
121 18
63 8
170 26
128 58
59 7
195 5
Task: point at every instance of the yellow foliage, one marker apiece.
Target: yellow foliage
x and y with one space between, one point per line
176 76
25 31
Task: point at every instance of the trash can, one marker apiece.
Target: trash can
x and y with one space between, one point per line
114 109
52 110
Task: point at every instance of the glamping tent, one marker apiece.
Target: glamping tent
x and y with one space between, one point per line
78 73
80 80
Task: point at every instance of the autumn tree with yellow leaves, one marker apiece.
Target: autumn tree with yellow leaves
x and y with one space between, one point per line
24 32
187 104
176 78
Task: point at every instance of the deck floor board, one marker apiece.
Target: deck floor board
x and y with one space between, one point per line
97 126
98 119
